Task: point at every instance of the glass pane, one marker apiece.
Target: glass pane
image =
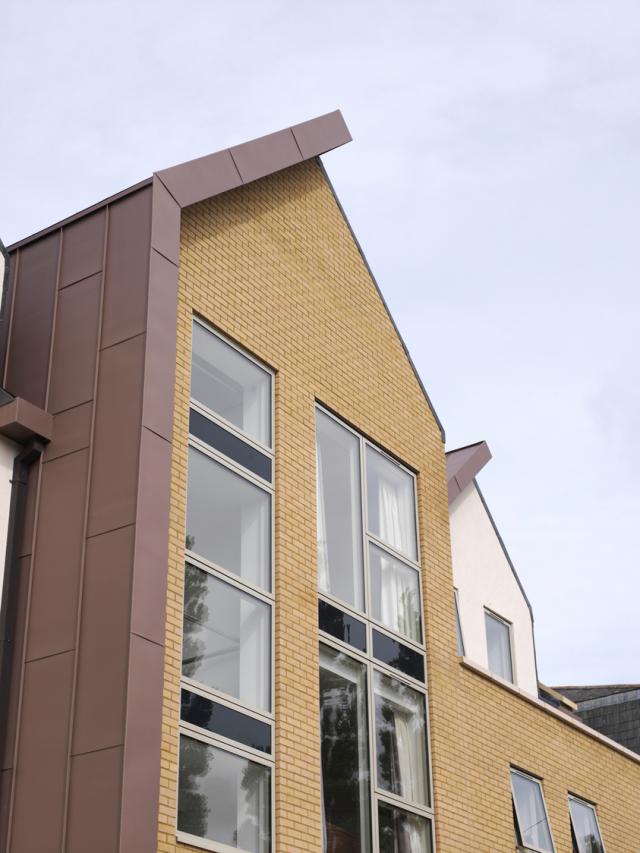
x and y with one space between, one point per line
585 827
498 647
229 444
223 797
402 832
395 594
339 521
398 655
226 639
531 813
342 626
231 385
390 504
228 520
225 721
345 765
401 741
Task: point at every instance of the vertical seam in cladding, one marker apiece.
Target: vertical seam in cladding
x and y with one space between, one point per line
83 553
147 275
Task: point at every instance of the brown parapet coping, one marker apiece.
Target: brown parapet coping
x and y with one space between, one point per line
548 709
20 420
208 176
463 465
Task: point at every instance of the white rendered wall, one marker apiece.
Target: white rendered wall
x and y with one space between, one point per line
8 451
483 578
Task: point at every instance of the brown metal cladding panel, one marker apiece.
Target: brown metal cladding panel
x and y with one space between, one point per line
321 134
165 222
114 478
28 356
82 248
42 756
127 269
16 664
26 539
266 155
5 794
71 432
139 821
58 556
104 642
160 362
94 802
152 539
75 345
198 179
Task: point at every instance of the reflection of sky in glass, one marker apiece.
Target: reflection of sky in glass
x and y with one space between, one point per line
223 797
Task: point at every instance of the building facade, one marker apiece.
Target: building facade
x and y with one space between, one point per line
234 600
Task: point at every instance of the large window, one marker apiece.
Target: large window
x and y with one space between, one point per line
367 544
376 793
585 827
531 822
226 731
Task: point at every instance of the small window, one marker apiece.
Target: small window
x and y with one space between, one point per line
585 828
223 797
401 740
391 512
459 639
226 639
228 520
531 822
231 385
499 646
395 594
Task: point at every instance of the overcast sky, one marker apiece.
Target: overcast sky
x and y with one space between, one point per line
494 183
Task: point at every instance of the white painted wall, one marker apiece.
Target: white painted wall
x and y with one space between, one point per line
8 451
484 578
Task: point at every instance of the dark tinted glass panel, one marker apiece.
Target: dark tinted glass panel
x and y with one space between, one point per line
224 721
398 656
342 626
230 445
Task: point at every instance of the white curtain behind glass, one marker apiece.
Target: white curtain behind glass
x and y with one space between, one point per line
395 516
324 580
532 817
399 597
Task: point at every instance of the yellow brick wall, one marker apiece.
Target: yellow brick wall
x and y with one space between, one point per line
273 266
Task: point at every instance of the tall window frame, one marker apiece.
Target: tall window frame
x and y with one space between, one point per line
266 596
365 657
370 539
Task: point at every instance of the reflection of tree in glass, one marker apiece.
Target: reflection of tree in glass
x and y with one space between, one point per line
256 827
388 765
190 541
340 761
410 610
196 613
193 810
591 844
